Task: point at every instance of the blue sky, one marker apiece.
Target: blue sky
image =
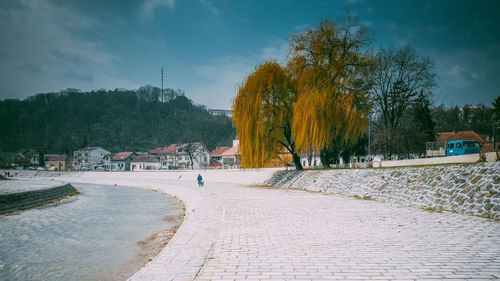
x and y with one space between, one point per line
207 47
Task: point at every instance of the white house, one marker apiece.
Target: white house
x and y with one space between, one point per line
197 152
217 112
32 156
168 157
89 157
311 160
145 162
231 158
121 161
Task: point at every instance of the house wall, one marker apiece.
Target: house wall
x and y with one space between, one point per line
59 165
315 162
89 158
119 166
231 162
145 166
96 156
34 159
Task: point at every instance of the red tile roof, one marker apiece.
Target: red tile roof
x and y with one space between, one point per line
218 151
146 158
463 135
156 151
169 149
120 156
231 152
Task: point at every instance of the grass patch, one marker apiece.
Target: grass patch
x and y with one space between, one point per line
363 198
263 186
432 209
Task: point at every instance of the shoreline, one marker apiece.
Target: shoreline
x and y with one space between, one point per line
151 246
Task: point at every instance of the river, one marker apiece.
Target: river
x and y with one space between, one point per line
104 233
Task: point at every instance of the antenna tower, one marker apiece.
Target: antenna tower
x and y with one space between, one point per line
162 96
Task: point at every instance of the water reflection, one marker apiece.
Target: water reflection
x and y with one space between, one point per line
91 237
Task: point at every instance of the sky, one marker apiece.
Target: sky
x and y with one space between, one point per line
207 47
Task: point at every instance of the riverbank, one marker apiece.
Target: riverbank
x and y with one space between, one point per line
105 233
22 194
232 231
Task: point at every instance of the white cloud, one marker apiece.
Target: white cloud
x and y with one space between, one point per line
278 52
149 6
217 82
210 6
467 76
462 76
42 52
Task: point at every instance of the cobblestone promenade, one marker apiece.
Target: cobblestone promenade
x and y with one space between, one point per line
233 232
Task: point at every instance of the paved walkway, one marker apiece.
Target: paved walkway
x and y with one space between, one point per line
232 232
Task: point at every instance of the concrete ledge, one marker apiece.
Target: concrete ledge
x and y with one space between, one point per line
469 158
29 199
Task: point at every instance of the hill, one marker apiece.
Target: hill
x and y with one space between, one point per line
117 120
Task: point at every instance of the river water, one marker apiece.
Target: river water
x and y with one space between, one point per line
94 236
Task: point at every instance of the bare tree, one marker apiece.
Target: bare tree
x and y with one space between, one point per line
399 78
194 150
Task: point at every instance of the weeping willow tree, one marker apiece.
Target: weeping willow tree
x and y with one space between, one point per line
331 67
263 114
319 101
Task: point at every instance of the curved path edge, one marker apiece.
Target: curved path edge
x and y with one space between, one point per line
189 249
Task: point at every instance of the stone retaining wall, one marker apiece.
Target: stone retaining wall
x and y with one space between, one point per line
30 199
472 189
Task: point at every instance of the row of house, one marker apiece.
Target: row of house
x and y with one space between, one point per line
175 156
172 157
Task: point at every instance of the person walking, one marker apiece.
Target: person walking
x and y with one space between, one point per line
200 180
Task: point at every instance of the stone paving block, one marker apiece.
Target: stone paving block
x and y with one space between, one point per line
236 232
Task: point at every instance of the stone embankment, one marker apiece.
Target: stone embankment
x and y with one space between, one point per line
471 189
11 200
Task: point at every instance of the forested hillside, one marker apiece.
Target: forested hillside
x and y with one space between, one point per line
118 120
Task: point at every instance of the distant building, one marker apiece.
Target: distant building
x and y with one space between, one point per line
106 161
55 162
462 135
168 157
89 157
216 156
231 158
145 162
311 159
11 159
121 161
199 154
216 112
32 156
438 148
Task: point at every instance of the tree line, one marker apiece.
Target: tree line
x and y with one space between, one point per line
331 87
117 120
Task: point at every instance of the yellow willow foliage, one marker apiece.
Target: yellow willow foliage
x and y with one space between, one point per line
331 72
261 111
321 118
